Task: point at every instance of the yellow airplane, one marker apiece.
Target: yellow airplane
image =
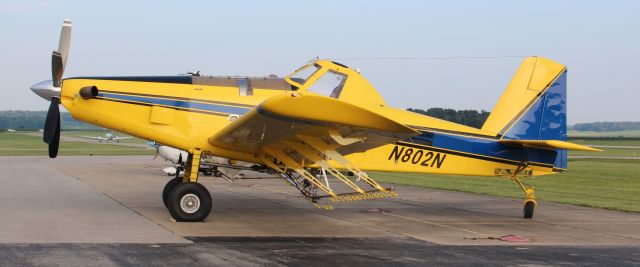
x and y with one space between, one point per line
325 120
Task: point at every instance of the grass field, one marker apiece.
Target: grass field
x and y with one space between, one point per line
630 133
608 151
610 184
605 142
23 144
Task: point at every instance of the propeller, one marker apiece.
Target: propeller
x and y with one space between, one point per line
50 90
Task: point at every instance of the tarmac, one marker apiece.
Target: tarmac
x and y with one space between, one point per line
107 210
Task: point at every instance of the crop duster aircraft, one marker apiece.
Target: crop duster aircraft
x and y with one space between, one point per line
323 120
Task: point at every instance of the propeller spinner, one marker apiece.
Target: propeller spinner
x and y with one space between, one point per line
50 90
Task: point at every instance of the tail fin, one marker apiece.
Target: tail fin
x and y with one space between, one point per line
533 107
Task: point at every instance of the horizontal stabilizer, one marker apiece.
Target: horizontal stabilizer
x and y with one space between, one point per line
547 144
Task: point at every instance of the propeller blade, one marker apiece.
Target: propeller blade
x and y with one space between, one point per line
51 125
59 57
65 41
53 146
57 68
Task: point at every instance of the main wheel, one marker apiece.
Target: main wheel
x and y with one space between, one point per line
189 202
527 212
168 188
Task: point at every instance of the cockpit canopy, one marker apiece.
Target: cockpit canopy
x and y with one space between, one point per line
335 80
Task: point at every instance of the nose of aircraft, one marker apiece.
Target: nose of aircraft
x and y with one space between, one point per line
46 90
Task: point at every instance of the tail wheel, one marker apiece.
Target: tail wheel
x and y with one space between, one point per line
189 202
529 206
168 188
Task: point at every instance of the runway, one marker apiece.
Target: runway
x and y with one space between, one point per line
105 207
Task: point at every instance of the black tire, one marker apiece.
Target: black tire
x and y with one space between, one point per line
189 202
168 188
527 212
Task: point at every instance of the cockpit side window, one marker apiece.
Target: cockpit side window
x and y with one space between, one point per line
303 75
330 84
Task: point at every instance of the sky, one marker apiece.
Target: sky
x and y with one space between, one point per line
598 41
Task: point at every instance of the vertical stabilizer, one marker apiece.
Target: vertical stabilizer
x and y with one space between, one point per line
534 106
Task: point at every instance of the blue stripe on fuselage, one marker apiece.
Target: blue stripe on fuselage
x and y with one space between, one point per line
179 103
483 147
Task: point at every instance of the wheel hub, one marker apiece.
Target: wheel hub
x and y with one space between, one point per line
190 203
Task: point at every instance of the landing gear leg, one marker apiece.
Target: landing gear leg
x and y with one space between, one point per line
530 203
189 201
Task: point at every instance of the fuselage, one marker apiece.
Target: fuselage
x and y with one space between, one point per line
184 111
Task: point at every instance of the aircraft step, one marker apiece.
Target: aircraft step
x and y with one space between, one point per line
355 196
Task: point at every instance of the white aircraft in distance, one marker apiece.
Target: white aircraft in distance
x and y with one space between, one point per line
209 165
109 136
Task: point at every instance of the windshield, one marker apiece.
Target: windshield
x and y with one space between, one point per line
330 84
303 75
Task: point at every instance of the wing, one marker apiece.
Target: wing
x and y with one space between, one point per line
284 121
120 138
294 131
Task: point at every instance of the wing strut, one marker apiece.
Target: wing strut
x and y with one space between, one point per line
293 157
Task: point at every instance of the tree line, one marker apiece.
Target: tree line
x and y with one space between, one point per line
22 120
607 126
467 117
